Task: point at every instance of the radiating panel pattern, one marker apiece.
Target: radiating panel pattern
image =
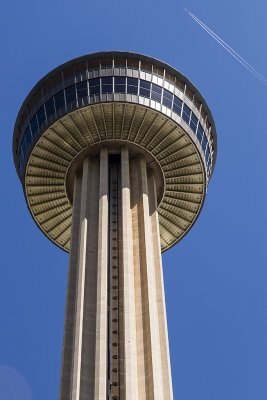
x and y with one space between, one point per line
177 156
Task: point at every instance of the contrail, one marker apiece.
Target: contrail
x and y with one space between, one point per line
228 48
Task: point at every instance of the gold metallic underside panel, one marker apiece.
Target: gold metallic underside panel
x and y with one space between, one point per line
167 142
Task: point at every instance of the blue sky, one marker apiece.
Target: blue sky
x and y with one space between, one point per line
215 278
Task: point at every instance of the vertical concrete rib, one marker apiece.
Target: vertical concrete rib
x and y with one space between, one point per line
163 331
129 326
155 388
101 302
80 328
70 308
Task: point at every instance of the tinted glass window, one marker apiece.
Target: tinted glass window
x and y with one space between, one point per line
200 132
41 115
59 100
94 85
145 88
24 145
167 102
28 136
132 85
49 107
177 105
204 143
70 93
107 85
207 154
21 161
193 122
156 97
34 126
186 114
132 81
145 84
81 88
119 84
167 94
156 93
156 88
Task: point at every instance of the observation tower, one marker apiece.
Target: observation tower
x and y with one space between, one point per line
114 151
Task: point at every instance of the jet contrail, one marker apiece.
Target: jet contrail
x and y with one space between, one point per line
228 48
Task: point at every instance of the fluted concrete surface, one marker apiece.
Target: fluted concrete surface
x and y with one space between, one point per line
107 357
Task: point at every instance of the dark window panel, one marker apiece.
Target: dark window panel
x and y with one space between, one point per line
59 100
132 81
70 93
200 133
177 101
41 115
186 114
28 136
107 80
145 88
34 126
94 82
81 88
156 97
193 122
107 89
145 84
107 85
156 88
94 90
177 105
120 80
94 85
119 84
167 103
167 94
24 146
132 89
204 143
144 92
49 107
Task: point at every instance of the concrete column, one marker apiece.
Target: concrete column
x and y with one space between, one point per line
101 301
142 350
154 379
147 260
160 295
70 308
129 326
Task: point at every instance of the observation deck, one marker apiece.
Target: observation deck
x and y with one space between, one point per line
114 98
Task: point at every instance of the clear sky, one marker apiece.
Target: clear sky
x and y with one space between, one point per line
215 278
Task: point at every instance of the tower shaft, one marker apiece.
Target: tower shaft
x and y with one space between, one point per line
115 342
